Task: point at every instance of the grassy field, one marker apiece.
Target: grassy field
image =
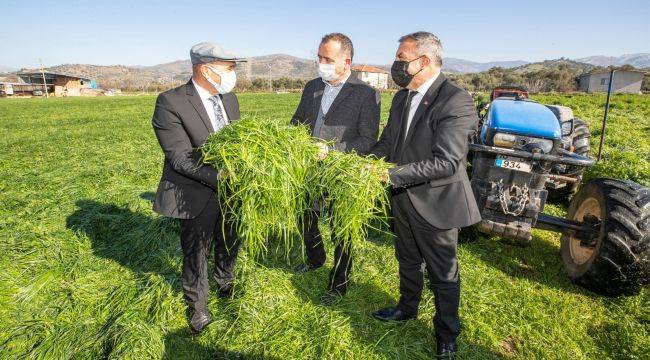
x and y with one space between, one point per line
89 271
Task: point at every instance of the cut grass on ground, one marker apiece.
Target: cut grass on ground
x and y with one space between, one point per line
89 271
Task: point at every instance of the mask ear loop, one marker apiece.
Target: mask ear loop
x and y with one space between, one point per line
217 72
214 71
421 67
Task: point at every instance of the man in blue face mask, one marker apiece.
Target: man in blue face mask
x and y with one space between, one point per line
184 117
341 109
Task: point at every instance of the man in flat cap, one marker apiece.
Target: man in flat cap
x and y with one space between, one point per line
183 118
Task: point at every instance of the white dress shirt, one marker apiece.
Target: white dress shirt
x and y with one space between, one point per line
417 98
209 107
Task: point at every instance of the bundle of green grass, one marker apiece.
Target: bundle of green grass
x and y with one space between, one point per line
264 192
273 176
354 192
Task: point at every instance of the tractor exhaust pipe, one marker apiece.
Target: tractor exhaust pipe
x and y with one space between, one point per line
602 130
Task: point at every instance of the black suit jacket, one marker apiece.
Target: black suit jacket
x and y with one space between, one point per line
181 125
432 164
352 120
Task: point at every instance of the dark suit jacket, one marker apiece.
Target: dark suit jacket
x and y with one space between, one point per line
352 120
432 164
181 125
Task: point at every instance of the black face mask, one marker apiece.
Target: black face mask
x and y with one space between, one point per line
400 72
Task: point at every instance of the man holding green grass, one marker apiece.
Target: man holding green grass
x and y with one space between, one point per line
427 136
342 110
183 118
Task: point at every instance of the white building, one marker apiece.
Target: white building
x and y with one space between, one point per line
373 76
625 81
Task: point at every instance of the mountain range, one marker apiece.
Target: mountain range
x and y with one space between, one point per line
455 65
6 69
641 60
282 65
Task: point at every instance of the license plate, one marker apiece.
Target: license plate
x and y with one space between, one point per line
507 162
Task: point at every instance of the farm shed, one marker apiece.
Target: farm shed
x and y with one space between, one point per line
61 84
20 89
625 81
373 76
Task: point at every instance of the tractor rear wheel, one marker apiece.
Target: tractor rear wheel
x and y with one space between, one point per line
580 138
618 261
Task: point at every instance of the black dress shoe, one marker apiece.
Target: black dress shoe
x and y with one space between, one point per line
392 314
199 319
225 291
446 351
225 287
303 268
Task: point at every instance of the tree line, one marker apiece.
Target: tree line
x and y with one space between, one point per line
262 84
562 78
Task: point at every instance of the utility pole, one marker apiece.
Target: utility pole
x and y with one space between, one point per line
47 96
270 80
602 130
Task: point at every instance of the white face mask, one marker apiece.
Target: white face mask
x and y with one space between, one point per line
228 80
327 72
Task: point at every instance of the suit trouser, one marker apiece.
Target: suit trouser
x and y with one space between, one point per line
417 242
340 273
196 238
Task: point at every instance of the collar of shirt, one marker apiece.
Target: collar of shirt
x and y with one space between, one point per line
209 106
203 93
339 85
417 98
427 84
419 94
330 93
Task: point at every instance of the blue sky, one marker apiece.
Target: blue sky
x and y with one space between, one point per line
152 32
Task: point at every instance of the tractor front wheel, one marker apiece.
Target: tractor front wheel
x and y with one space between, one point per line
617 261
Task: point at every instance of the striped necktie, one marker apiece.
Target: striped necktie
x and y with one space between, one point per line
219 119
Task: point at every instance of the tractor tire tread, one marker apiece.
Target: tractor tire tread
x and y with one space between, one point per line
621 265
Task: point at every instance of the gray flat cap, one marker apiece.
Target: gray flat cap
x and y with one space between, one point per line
208 52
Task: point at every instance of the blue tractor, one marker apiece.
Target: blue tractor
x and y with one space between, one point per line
525 152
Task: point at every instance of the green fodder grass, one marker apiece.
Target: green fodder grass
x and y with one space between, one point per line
266 190
89 271
273 177
355 194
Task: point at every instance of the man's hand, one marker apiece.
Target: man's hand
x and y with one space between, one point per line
323 150
383 174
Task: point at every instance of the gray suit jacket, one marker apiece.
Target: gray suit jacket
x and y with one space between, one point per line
181 125
431 165
352 121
